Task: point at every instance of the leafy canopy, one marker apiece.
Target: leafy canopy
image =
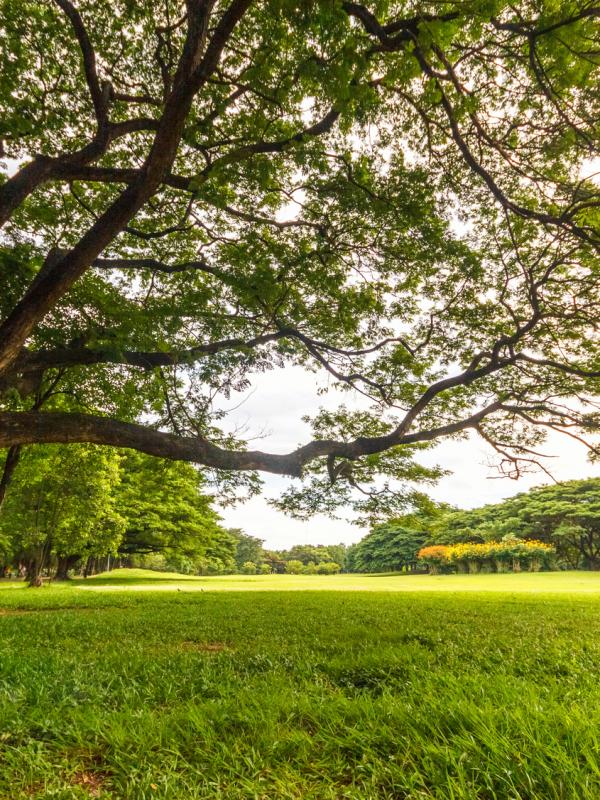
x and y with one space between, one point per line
394 195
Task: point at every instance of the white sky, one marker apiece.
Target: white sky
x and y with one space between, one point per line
273 411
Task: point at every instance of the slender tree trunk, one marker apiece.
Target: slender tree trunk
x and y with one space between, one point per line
10 464
89 566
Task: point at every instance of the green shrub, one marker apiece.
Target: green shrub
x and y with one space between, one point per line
328 568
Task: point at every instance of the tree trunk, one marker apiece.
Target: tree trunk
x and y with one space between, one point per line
65 563
32 574
10 464
90 565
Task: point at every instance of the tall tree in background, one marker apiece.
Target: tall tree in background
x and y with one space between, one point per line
248 548
395 194
164 508
61 503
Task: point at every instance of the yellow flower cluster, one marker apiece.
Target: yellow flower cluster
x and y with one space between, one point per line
505 550
436 552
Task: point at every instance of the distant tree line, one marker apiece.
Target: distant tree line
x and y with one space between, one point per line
84 509
564 517
252 558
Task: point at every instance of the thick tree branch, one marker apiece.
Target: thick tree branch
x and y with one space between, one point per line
42 296
60 428
70 357
70 166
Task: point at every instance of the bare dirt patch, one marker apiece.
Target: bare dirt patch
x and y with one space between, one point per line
91 782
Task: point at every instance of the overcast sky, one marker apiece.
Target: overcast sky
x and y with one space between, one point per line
273 411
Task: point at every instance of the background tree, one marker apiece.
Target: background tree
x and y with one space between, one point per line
294 567
328 568
248 548
393 545
389 547
61 504
219 555
166 510
194 193
274 561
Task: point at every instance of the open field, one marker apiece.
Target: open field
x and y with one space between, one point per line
416 688
553 582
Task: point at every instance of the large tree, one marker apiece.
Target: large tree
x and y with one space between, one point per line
393 193
165 509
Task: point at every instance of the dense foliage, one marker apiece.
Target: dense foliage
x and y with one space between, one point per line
62 506
80 506
395 195
563 516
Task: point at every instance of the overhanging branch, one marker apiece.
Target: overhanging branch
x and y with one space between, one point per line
18 428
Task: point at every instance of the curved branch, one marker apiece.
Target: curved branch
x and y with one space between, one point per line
62 428
80 356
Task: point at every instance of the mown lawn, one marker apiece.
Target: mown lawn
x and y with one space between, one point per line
323 695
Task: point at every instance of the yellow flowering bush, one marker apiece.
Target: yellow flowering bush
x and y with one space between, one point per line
509 553
435 556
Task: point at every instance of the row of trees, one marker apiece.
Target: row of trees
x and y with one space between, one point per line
83 505
564 518
251 557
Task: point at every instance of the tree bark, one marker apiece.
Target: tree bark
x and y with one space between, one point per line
10 464
32 574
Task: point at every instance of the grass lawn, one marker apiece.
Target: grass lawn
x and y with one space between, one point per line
450 687
552 582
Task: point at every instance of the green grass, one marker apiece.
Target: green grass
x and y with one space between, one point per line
553 582
394 692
